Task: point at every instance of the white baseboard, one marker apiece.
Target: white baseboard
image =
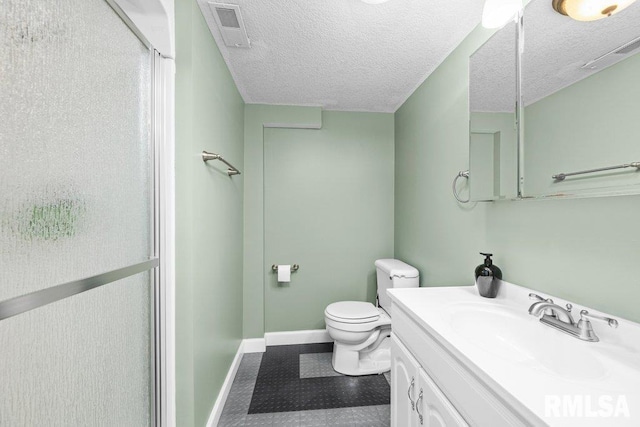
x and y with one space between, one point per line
254 345
258 345
297 337
214 417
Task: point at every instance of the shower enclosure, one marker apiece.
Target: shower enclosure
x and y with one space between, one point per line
80 294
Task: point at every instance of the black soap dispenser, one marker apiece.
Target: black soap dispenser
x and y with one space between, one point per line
488 277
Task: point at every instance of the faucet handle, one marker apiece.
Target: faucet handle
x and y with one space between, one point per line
569 307
585 315
539 298
585 328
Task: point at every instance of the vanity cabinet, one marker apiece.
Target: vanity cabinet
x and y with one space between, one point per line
446 391
415 399
485 362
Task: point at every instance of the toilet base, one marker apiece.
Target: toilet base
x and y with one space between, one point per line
351 362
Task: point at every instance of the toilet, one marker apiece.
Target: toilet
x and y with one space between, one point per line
361 330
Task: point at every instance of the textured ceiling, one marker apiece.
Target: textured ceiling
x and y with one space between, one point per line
555 49
492 86
342 54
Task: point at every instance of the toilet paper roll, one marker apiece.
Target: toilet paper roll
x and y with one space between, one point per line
284 273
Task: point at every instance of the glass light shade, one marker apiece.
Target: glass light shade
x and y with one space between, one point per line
496 13
591 10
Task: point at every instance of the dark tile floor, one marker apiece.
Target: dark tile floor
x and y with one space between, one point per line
295 385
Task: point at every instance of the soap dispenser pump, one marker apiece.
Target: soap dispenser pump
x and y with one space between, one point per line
488 277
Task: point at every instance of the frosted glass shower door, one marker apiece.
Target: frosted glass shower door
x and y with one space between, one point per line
76 210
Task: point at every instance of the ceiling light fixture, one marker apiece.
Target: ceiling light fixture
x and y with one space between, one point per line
496 13
590 10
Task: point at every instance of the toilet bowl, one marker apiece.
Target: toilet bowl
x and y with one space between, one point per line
358 330
361 330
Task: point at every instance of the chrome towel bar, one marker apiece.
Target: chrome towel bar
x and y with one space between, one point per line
562 176
232 170
294 267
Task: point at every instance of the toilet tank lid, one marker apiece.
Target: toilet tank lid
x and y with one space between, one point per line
397 268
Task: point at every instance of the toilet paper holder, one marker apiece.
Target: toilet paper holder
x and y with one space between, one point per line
294 267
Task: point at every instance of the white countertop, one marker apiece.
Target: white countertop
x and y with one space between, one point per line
542 368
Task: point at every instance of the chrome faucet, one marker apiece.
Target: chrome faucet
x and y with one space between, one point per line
557 312
561 319
537 297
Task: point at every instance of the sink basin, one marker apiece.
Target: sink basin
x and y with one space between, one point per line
507 333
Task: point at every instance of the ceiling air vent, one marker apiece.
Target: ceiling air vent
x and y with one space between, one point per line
230 23
614 56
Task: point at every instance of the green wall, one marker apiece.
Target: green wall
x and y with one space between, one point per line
256 119
433 232
209 206
329 208
585 250
366 139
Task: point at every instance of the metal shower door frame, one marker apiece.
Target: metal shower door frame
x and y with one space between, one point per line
162 243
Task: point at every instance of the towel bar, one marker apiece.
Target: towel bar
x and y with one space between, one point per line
232 170
562 176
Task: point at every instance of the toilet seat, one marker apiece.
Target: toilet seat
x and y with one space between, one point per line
352 312
372 317
361 333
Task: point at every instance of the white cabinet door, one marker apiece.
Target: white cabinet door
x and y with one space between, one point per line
432 406
404 385
416 401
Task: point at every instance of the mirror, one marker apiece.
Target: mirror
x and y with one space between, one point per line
581 103
493 139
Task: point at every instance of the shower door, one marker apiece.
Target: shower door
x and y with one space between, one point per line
77 257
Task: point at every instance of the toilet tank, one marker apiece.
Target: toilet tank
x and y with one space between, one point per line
393 273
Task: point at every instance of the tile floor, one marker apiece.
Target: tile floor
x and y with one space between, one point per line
295 385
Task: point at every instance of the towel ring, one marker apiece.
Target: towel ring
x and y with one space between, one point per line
461 174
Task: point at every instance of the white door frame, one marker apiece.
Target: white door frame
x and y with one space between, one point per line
164 135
